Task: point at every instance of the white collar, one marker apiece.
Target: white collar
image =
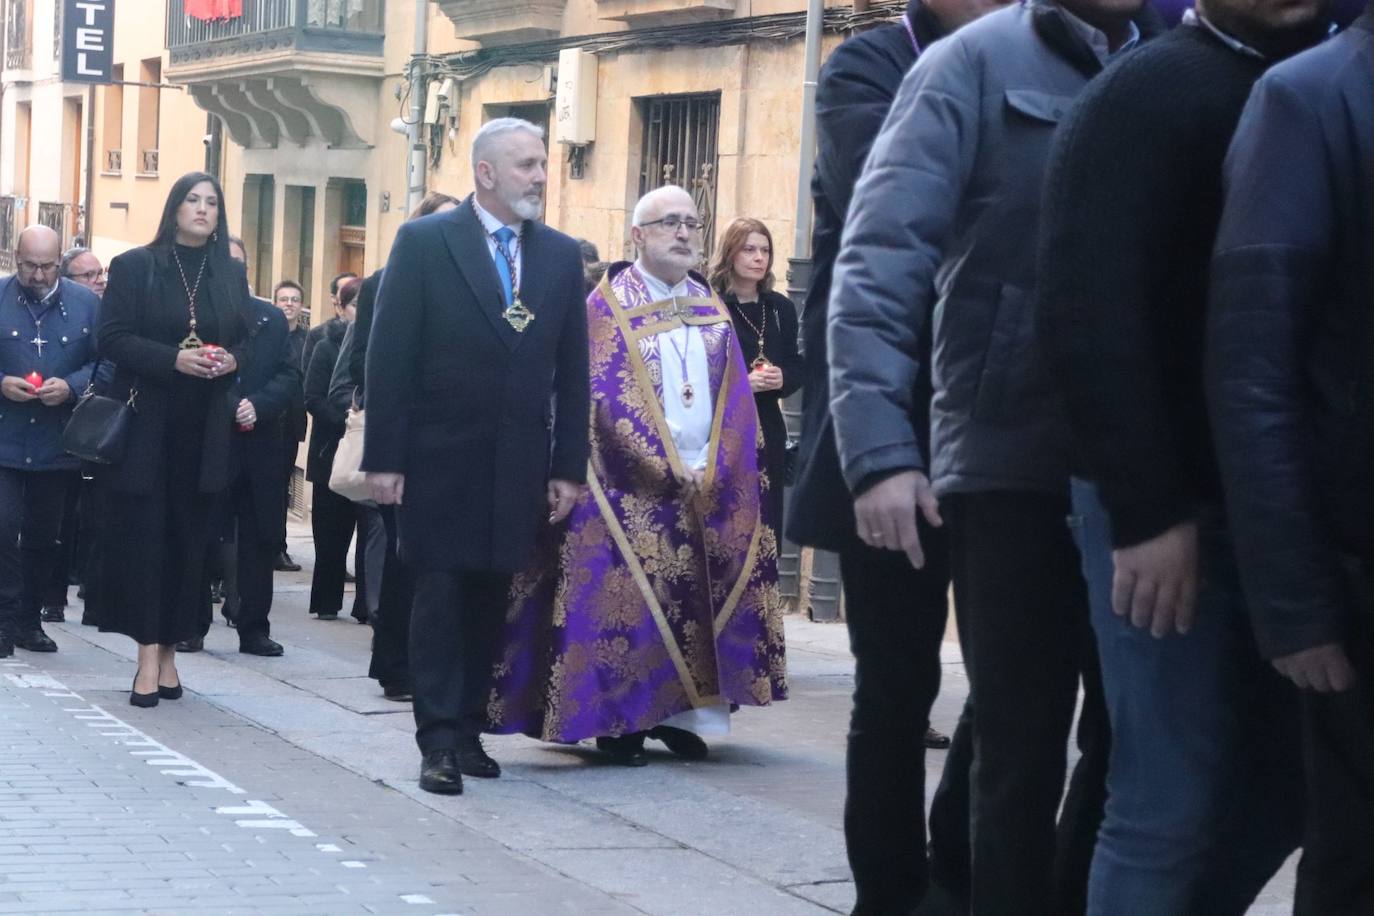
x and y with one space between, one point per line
1194 18
491 224
659 289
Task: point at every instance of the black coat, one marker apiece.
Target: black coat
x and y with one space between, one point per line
780 348
133 306
295 419
855 90
270 383
362 329
463 405
1291 340
328 427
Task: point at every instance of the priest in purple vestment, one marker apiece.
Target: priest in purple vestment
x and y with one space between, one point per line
655 609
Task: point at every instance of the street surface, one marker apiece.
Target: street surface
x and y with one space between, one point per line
288 785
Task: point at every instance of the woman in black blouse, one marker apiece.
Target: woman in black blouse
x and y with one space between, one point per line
174 323
766 326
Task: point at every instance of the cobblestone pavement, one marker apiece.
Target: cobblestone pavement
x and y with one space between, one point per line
288 785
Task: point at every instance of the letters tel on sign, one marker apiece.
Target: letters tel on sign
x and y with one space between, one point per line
87 41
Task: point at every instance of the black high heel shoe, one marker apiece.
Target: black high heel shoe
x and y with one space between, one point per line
143 700
169 693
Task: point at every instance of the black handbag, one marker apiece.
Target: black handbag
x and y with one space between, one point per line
99 426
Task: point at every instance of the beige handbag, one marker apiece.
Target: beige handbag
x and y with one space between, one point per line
347 478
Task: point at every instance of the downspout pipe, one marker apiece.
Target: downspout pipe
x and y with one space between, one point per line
811 67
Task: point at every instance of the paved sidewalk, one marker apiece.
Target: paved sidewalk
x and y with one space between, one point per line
289 785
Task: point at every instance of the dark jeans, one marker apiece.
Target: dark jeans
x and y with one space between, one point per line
1023 626
896 619
455 624
55 595
391 623
332 520
1201 808
30 525
1336 874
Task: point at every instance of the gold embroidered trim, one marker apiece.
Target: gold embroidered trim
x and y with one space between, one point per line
750 560
622 543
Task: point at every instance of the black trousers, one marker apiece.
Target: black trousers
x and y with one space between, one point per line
391 623
291 446
30 527
1024 627
896 618
256 549
55 595
1336 873
332 521
454 627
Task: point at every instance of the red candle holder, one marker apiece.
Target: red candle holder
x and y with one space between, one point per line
34 379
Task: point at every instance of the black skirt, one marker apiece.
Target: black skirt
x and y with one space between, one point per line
154 546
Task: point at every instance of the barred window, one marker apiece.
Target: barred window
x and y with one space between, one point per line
679 147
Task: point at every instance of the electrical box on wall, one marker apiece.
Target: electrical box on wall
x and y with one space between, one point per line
575 104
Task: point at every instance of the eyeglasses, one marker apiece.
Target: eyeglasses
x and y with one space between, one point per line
673 221
89 276
29 267
289 300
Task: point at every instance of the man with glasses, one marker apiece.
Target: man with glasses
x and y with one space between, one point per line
82 266
47 351
656 609
79 265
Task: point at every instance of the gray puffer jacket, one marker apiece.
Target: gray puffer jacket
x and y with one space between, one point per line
942 227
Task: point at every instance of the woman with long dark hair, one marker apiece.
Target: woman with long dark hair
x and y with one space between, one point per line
766 326
174 323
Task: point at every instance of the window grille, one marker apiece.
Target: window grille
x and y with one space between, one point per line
680 133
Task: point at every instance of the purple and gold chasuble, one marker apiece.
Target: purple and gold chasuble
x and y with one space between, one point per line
648 602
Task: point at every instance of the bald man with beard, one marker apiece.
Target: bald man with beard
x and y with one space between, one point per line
47 354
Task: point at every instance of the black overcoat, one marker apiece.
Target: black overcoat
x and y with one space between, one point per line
463 405
327 427
131 303
270 383
853 95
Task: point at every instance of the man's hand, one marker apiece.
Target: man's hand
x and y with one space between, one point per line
247 414
17 389
1155 583
1325 669
54 392
563 495
886 514
387 489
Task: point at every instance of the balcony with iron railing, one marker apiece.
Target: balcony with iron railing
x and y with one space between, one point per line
285 70
498 22
342 26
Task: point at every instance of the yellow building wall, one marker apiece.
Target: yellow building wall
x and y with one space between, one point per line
126 206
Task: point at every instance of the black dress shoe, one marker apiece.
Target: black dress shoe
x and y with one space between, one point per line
170 693
627 750
6 645
284 563
191 645
936 741
53 614
35 640
473 759
143 700
261 645
328 615
89 620
440 774
400 693
685 744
